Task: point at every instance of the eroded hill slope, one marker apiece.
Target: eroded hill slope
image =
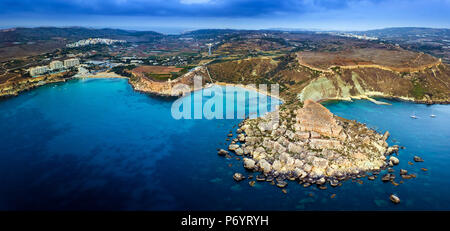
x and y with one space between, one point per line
356 74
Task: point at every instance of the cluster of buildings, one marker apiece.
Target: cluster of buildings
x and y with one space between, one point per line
349 35
93 41
54 66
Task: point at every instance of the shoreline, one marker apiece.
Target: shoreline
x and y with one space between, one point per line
250 88
164 95
101 75
395 98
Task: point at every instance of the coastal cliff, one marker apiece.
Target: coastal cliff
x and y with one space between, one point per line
430 85
13 88
169 88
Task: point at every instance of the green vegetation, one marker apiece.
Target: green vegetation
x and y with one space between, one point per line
123 70
418 91
159 77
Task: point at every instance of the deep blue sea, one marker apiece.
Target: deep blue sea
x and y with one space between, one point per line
98 145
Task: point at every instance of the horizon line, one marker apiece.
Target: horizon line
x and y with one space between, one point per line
187 29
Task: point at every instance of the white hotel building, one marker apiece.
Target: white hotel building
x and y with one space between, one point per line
71 63
36 71
56 65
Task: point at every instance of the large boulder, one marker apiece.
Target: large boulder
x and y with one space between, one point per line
394 199
276 165
386 135
294 148
222 152
315 117
265 166
239 152
249 163
394 160
238 176
233 147
325 144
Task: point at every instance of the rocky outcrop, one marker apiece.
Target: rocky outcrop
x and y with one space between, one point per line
170 88
13 88
314 117
311 144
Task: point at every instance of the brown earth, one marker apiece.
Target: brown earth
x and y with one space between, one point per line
155 70
423 79
393 59
13 88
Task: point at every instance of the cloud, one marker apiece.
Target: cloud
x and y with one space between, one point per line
192 8
230 13
194 1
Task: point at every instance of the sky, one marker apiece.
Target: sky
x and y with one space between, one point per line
169 16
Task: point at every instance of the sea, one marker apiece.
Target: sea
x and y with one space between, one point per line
96 144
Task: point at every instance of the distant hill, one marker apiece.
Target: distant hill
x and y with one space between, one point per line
71 34
19 42
432 41
405 32
210 33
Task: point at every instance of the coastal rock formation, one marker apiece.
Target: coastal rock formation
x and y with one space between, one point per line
13 87
311 144
171 88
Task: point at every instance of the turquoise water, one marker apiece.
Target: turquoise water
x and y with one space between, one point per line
99 145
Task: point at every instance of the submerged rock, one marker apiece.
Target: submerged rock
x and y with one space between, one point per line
334 183
410 176
418 159
388 177
281 183
222 152
260 178
321 181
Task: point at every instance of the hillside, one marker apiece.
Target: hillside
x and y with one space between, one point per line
20 42
70 33
400 74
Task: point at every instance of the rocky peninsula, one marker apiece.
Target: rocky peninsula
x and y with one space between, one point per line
14 87
311 145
